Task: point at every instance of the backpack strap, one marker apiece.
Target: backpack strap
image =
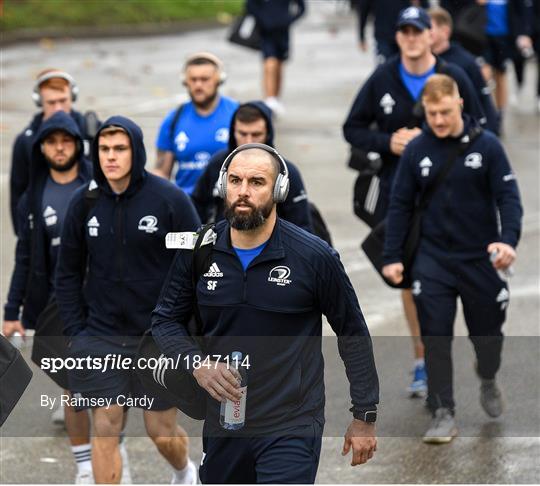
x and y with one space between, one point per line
174 122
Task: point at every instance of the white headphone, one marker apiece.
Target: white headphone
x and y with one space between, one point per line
36 95
281 187
206 56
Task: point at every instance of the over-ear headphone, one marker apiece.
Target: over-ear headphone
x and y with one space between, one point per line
207 56
281 187
36 95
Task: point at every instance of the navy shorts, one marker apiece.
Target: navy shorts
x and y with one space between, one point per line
117 385
498 52
290 458
275 43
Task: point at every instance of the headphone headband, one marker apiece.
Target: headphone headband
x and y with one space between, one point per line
281 186
36 95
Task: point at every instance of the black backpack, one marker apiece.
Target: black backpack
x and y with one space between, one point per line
14 377
171 384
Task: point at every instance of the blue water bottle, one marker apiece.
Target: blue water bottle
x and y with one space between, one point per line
233 412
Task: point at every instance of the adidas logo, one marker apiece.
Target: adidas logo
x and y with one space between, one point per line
50 216
503 296
49 212
93 226
213 271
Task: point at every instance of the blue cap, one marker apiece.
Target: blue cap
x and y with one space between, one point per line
415 16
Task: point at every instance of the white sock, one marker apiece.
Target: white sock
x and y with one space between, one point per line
419 362
83 457
183 476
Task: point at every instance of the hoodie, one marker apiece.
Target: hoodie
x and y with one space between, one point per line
35 253
462 217
122 239
294 209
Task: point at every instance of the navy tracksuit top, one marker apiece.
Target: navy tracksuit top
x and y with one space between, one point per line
123 237
272 313
461 219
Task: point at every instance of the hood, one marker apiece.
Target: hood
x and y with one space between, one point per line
265 112
59 121
469 124
137 148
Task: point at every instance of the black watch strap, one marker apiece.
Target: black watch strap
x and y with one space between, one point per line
366 415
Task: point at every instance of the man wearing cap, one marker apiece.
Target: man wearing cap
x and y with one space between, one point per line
275 281
193 132
54 90
387 114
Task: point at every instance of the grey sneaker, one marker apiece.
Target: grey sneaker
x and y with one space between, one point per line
442 428
491 398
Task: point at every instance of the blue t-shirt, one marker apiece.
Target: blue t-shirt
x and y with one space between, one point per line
246 256
196 139
414 82
497 17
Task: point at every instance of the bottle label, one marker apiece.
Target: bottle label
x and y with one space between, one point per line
235 411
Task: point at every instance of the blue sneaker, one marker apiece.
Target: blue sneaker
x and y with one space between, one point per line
418 387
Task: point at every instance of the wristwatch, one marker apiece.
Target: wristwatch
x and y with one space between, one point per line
366 415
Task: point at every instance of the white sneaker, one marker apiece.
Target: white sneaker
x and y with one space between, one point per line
275 105
57 417
126 473
191 475
84 477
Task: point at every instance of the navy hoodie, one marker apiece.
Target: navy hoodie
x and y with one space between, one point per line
385 105
30 282
122 238
272 313
275 14
210 206
22 154
461 219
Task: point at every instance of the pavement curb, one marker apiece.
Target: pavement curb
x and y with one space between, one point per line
109 31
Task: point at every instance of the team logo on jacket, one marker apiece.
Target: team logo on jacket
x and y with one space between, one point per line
148 224
213 271
425 164
222 135
502 297
387 104
416 287
93 226
280 275
50 216
474 160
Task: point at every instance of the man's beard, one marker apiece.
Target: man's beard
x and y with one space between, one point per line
62 167
207 102
250 221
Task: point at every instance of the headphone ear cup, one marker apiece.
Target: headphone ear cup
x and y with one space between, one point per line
36 97
281 188
74 92
222 188
222 77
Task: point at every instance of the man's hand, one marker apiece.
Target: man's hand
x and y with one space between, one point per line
361 436
401 138
164 164
505 255
11 327
394 272
219 380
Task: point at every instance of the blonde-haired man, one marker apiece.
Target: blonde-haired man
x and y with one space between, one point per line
462 251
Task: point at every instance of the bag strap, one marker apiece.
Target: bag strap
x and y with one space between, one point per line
456 150
200 259
176 117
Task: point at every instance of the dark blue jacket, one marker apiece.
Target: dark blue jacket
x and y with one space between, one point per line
369 128
456 54
461 219
386 13
275 14
22 155
122 237
210 206
272 312
30 282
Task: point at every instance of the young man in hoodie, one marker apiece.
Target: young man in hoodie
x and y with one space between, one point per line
387 114
274 283
251 123
461 251
115 229
191 133
54 90
57 169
